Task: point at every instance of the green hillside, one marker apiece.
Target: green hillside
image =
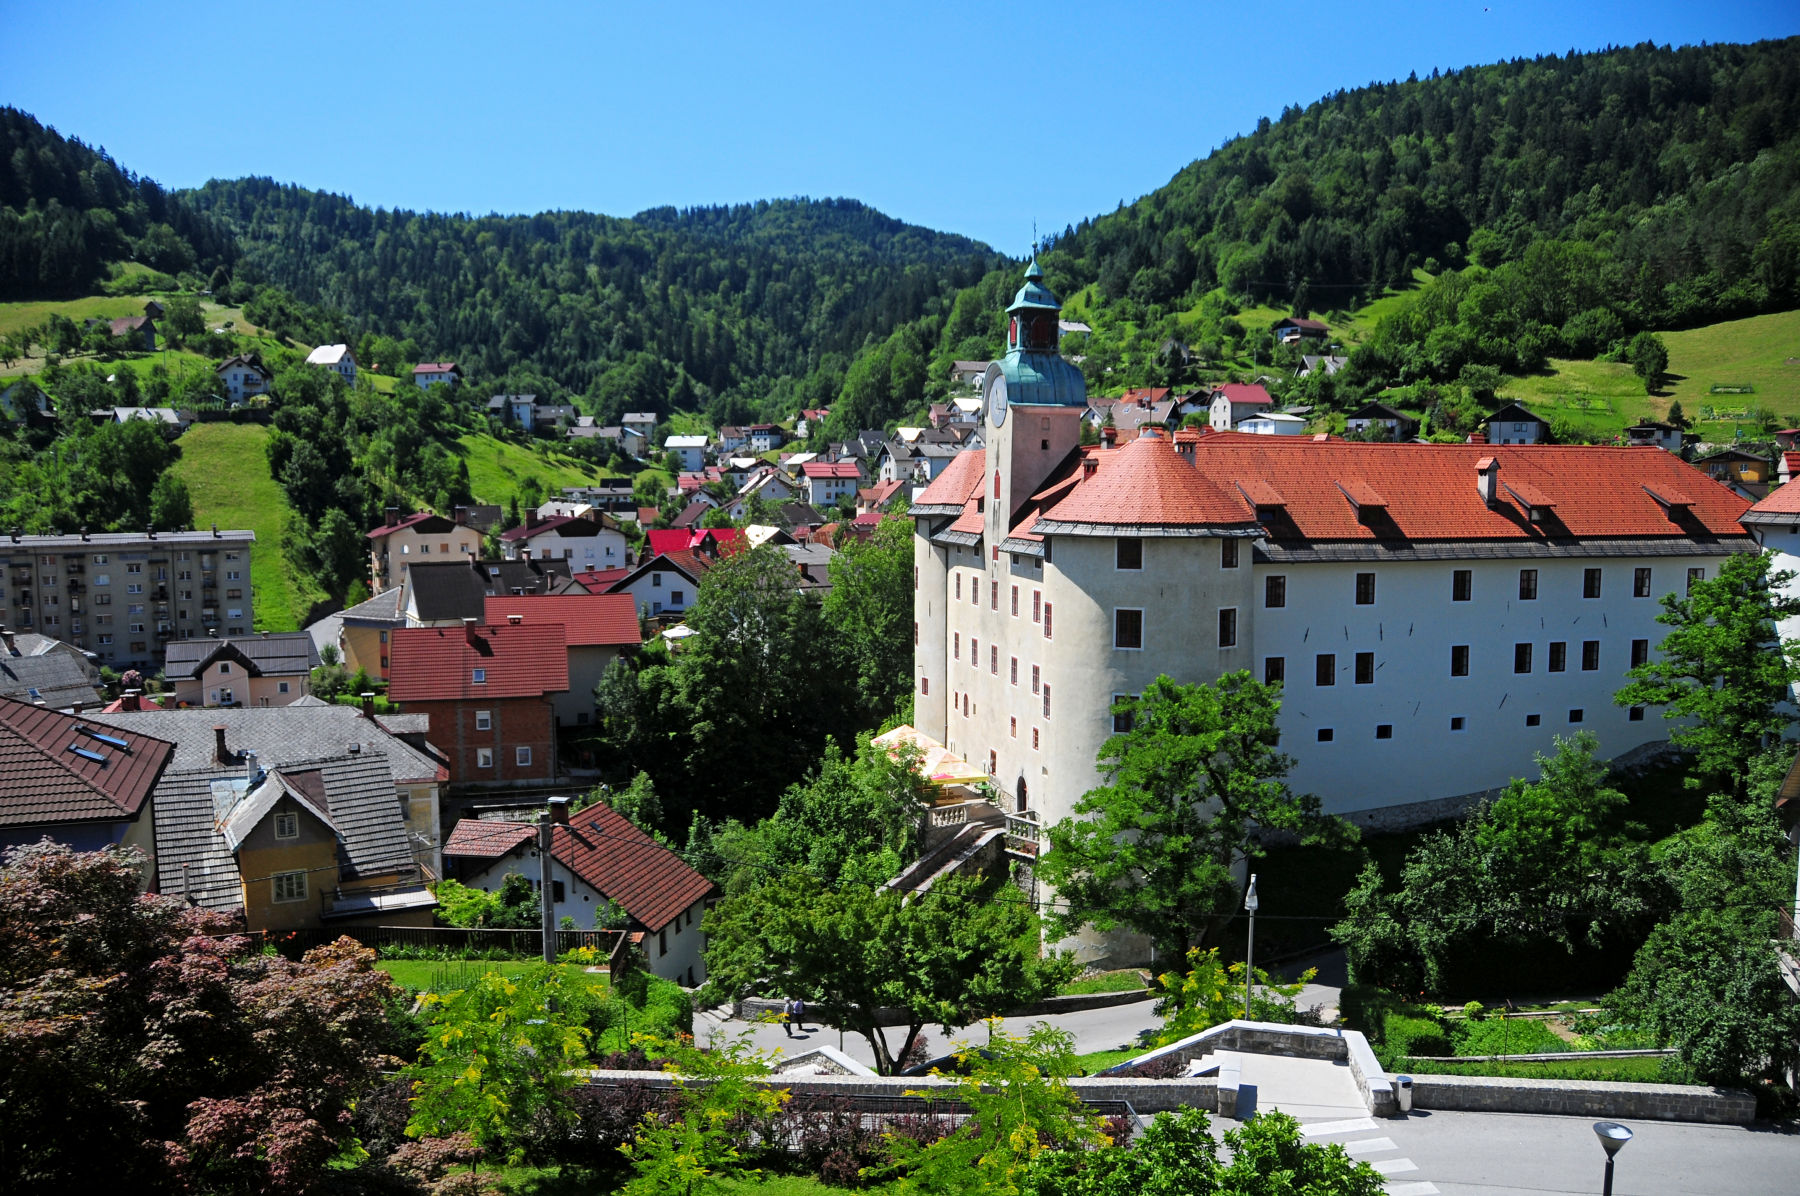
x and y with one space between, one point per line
227 475
498 467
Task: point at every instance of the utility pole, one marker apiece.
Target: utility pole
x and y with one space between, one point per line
1250 904
558 813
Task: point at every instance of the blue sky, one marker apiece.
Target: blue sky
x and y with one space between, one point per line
974 117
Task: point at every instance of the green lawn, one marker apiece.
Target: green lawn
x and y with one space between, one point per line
1762 351
434 975
1122 981
497 467
228 476
1098 1061
1600 397
23 314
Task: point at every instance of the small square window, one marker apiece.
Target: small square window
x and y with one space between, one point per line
522 756
1528 585
1275 591
290 886
1365 668
1532 720
484 757
484 720
1457 722
1635 715
1274 670
1326 734
1365 589
281 687
1128 554
478 676
1384 730
1576 716
287 826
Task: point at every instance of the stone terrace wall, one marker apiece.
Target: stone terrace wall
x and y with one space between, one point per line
1585 1098
1145 1096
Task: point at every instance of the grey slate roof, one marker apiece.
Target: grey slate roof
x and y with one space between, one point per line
385 607
58 679
451 590
281 736
267 655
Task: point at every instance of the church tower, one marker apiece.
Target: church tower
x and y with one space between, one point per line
1034 401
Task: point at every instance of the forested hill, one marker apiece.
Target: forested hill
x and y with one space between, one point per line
67 211
844 228
670 312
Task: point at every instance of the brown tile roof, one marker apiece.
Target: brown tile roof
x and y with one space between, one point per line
43 780
431 664
960 481
486 838
587 620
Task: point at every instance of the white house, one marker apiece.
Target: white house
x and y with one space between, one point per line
829 481
639 423
770 484
1516 424
665 584
431 373
605 874
336 358
242 377
591 541
1273 423
1236 401
1663 436
763 438
731 438
691 450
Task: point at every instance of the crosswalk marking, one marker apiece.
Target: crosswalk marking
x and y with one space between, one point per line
1370 1146
1392 1166
1328 1129
1413 1189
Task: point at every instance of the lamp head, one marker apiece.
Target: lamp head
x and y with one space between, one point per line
1250 895
1612 1136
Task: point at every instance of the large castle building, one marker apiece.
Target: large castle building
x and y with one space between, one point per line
1436 614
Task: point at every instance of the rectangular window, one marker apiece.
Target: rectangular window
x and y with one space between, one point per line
1034 739
1128 629
1640 652
1559 656
1013 673
1228 553
1274 670
1121 718
1325 669
1326 734
1365 589
677 598
1459 660
1695 576
1046 699
1228 627
1275 592
484 720
956 645
1046 620
1576 716
290 886
1128 554
1590 583
1527 585
1012 727
1384 730
1521 658
974 653
993 595
1365 668
1015 602
974 591
1590 656
959 587
484 757
1037 606
287 826
925 685
1034 678
1640 583
522 756
994 659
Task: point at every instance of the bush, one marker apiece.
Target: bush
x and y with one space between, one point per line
1407 1035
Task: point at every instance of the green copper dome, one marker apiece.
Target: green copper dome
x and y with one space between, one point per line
1036 373
1034 294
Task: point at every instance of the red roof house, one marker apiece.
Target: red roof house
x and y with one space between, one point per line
598 628
604 869
488 692
80 783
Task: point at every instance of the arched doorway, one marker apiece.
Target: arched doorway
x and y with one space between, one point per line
1024 801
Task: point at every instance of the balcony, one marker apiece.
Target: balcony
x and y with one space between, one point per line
76 587
1023 835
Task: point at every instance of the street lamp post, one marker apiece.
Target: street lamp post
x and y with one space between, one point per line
1250 946
1612 1136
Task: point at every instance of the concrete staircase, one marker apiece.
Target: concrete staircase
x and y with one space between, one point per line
959 838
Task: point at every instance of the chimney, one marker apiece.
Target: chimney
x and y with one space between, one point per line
1487 474
531 518
470 633
368 704
215 531
1088 467
461 515
77 708
221 754
515 620
559 811
6 637
150 530
251 771
1109 435
84 531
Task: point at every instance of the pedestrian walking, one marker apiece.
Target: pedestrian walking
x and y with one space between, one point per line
787 1016
799 1013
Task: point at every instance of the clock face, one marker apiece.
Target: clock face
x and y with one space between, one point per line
996 401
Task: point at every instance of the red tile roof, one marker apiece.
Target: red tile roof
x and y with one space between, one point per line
675 539
437 367
43 780
831 469
487 838
588 620
649 881
431 664
413 520
541 527
1245 394
880 492
596 580
960 481
1783 500
1429 490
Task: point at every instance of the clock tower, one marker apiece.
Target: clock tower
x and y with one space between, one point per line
1034 402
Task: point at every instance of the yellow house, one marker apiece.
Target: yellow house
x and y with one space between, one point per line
423 536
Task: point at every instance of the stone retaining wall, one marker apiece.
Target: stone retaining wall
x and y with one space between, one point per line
750 1008
1145 1096
1585 1098
1273 1038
